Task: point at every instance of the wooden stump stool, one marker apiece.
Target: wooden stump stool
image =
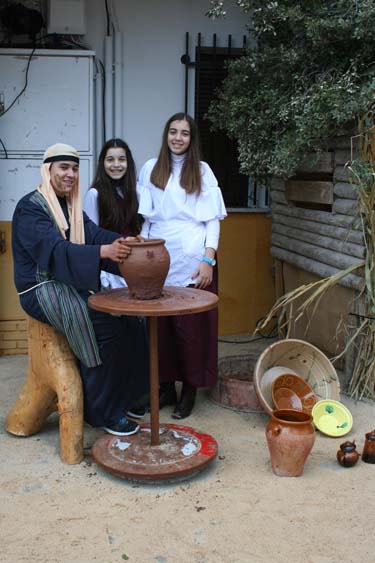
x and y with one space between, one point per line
53 383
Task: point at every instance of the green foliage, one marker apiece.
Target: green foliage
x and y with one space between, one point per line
309 71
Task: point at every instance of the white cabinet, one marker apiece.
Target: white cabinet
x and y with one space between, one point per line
56 107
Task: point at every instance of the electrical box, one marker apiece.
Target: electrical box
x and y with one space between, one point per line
66 17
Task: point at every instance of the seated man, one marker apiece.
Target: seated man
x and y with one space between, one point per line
58 254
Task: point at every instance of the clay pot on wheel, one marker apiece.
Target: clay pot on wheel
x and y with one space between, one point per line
290 436
146 268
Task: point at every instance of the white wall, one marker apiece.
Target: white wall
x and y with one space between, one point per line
154 78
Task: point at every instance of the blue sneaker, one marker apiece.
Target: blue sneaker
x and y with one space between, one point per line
124 427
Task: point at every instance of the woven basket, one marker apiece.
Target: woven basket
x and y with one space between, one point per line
305 360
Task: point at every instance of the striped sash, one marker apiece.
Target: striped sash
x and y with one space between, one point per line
66 310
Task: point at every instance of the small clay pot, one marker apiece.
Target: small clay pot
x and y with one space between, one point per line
146 268
347 455
290 436
368 454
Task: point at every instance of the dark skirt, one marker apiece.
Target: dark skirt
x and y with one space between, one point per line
187 346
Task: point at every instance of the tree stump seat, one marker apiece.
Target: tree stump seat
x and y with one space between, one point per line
53 383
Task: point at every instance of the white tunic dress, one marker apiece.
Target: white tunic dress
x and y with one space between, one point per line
188 223
90 206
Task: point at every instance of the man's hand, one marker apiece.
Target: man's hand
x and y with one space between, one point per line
117 251
138 238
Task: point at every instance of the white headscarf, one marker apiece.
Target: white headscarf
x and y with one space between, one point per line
57 153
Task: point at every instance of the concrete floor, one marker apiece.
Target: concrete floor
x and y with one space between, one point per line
236 511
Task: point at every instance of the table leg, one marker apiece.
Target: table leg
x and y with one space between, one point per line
154 379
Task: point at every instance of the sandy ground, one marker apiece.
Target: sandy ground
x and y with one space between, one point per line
236 511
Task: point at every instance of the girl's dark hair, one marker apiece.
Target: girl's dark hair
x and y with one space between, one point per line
190 178
117 213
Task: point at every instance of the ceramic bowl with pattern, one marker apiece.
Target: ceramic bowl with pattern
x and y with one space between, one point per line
292 392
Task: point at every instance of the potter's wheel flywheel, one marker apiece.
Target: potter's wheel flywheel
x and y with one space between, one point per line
182 452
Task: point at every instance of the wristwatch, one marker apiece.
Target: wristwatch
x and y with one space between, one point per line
211 261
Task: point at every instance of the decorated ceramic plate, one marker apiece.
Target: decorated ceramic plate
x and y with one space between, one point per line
284 398
332 418
292 392
267 381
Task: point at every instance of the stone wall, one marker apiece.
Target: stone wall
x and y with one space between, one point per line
13 337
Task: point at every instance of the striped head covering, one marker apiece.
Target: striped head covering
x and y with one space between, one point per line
57 153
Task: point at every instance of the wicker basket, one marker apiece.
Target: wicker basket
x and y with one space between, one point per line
305 360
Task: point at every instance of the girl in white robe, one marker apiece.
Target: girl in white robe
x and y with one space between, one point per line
181 202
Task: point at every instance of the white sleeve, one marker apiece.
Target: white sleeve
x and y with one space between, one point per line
144 174
212 234
210 203
145 229
144 201
90 205
145 206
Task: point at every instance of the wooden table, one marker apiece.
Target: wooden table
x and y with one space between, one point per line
174 301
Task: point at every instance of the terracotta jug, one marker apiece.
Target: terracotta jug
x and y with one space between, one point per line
368 454
290 436
347 455
146 268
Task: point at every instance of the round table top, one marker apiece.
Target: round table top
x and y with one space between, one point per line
174 301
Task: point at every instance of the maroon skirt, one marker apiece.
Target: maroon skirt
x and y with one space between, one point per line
187 345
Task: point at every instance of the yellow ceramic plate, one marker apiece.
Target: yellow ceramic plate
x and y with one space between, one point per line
332 418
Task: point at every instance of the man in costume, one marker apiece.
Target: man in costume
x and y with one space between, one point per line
58 255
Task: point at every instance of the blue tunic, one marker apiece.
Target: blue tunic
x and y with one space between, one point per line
116 385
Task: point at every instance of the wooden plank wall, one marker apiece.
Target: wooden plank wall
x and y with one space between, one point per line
315 225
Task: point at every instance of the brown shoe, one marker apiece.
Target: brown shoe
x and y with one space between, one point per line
185 405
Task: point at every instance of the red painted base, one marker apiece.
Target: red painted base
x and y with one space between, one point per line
182 453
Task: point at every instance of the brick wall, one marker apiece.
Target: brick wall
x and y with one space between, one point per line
13 337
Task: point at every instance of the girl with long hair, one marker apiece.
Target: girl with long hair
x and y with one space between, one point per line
112 204
181 202
112 200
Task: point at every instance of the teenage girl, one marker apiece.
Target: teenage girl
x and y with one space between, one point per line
181 202
112 201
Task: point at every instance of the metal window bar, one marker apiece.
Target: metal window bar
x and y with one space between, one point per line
258 195
209 66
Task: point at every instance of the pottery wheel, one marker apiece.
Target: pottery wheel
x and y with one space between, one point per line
156 452
173 301
182 452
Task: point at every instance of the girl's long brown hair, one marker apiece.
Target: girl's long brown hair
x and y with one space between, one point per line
190 178
115 213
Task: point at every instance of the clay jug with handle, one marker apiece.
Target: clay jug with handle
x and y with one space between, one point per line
347 455
146 268
290 436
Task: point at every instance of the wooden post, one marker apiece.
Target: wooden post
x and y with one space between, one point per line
154 379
